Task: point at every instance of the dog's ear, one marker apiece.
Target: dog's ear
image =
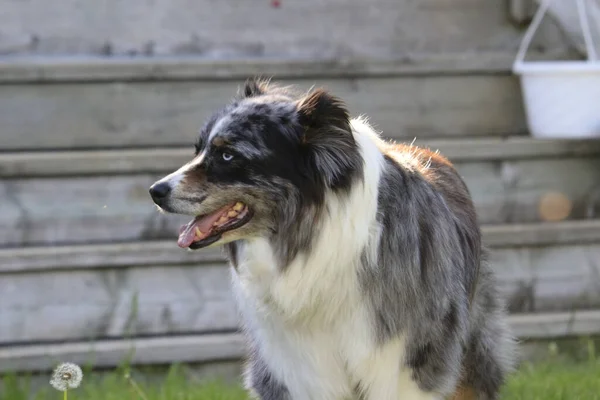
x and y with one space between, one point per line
328 136
255 87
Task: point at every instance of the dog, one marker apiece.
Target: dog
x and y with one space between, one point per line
357 263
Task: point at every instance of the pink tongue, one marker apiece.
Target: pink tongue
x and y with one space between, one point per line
187 233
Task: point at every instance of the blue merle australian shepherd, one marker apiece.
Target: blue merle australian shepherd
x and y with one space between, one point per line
357 264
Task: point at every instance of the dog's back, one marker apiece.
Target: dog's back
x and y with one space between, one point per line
488 349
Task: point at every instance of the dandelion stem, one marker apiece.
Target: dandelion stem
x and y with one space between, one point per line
65 395
135 387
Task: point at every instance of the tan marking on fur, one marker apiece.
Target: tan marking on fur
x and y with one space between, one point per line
464 393
218 142
192 178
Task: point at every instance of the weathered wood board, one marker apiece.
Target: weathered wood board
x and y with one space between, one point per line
510 191
166 252
61 69
120 300
550 278
94 256
205 348
230 347
115 302
166 159
118 208
305 28
115 115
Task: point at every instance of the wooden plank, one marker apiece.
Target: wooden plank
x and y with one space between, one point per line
162 160
553 325
542 234
82 210
116 302
549 278
116 115
29 259
511 191
521 11
118 208
100 69
104 255
230 346
346 28
109 353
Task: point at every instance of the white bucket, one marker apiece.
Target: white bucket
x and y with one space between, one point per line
561 98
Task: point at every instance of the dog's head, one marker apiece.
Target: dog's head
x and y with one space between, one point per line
259 162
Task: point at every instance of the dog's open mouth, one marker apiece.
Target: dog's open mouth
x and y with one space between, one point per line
207 229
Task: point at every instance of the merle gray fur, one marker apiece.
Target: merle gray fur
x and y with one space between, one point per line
431 282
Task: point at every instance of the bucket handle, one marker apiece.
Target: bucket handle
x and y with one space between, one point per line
537 20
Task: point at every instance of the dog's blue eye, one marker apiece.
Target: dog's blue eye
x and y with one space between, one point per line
227 156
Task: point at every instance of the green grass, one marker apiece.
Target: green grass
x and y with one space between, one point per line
555 381
555 378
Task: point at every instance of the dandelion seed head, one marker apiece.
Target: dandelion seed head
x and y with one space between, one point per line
66 376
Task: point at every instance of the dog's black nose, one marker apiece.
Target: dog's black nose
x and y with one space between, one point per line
159 191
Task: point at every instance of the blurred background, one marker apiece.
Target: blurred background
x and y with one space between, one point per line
98 99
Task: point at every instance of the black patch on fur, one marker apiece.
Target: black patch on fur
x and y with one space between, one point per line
262 382
254 87
419 358
231 249
328 137
358 391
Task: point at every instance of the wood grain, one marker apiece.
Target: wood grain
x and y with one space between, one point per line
116 115
109 353
212 29
548 278
119 299
166 252
58 69
542 234
118 208
104 255
230 346
555 325
123 301
167 159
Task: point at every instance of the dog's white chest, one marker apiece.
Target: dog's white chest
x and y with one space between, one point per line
314 332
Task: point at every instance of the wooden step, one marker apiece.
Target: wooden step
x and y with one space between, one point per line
156 288
99 196
61 69
135 161
92 256
208 348
129 114
308 28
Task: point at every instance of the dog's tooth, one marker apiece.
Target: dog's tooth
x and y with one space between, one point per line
232 213
238 206
223 219
199 232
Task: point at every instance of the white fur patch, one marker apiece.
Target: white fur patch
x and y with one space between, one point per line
174 178
312 325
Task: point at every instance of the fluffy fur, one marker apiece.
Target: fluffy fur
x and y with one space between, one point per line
361 274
